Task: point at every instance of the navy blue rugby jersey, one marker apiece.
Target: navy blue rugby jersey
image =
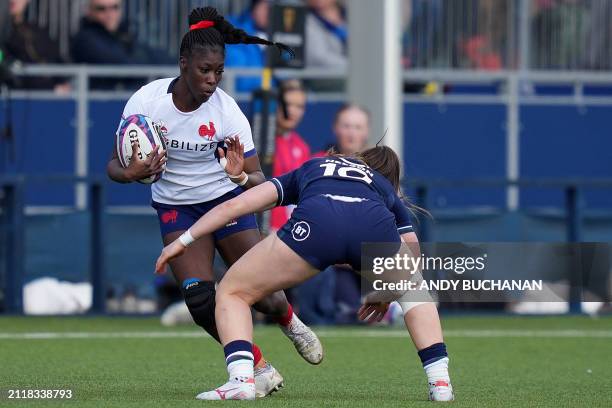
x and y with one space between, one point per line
343 178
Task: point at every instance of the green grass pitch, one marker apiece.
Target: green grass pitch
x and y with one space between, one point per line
495 361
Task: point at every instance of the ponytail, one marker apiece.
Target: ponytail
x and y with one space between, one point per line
209 28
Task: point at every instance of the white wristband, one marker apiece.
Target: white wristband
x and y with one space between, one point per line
243 177
246 180
186 238
223 163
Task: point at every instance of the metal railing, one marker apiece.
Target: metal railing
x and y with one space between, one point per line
513 90
573 206
456 34
157 23
509 34
572 189
80 77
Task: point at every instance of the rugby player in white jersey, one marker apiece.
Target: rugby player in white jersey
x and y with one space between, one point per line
199 121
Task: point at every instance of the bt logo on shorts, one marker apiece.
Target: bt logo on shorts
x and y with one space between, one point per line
300 231
169 217
207 131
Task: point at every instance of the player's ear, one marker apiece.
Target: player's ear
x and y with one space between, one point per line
183 63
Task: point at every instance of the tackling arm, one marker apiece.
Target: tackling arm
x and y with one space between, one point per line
258 198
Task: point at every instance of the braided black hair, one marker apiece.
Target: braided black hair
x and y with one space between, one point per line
220 33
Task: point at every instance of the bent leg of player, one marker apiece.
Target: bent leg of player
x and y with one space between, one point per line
251 278
423 324
232 242
305 341
194 273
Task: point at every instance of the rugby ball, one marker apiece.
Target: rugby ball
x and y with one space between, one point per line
139 128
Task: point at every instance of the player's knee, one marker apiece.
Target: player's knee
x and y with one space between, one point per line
222 291
228 288
227 292
200 300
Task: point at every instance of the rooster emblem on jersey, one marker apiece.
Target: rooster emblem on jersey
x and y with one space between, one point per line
207 131
169 217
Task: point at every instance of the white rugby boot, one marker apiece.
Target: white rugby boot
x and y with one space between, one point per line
267 381
231 390
304 339
441 391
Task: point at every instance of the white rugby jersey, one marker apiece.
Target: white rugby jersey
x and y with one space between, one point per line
193 174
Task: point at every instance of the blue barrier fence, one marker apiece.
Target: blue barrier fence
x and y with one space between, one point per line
13 225
12 229
451 141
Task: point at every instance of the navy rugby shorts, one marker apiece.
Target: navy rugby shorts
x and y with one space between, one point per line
325 230
174 218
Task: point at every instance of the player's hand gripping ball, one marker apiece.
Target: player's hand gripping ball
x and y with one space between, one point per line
141 149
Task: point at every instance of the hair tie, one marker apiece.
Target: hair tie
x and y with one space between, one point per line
201 24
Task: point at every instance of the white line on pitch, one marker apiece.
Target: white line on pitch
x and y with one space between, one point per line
333 333
102 335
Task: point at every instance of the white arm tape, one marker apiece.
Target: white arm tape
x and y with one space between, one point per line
223 162
407 306
186 238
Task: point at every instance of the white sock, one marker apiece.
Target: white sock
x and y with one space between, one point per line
437 371
240 370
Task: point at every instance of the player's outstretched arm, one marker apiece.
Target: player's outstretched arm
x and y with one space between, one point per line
256 199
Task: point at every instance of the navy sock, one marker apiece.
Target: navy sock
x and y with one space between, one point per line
433 353
238 350
239 360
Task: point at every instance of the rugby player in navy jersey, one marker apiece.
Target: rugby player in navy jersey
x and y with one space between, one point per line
199 121
341 203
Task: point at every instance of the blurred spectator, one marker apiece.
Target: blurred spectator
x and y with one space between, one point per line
4 22
30 44
598 52
423 34
291 150
352 129
559 29
326 35
482 38
255 22
334 295
104 39
459 33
